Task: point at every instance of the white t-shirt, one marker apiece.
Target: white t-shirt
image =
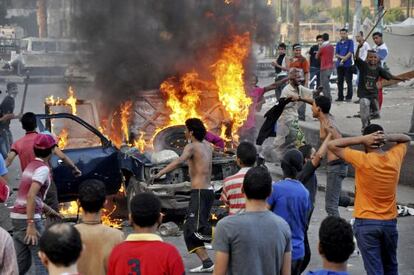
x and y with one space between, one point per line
291 110
363 52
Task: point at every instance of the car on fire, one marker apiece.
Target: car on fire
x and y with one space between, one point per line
99 159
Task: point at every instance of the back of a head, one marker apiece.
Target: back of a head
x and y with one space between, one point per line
28 121
145 209
372 128
92 195
257 183
196 126
62 244
292 163
247 153
306 151
325 36
336 239
324 103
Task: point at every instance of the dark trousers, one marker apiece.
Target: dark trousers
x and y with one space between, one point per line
295 268
344 73
317 82
377 241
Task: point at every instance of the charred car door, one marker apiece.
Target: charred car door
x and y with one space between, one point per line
90 150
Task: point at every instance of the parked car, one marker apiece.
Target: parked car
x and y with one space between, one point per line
99 159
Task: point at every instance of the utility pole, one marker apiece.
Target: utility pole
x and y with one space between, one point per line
42 17
357 18
347 14
296 13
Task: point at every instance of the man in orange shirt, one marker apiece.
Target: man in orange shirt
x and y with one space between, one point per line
377 174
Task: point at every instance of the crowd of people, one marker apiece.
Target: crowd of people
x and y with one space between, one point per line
266 230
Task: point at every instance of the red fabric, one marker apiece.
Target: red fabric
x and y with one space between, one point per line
145 258
4 190
43 141
380 94
24 149
326 54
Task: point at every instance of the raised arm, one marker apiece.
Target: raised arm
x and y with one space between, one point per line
398 138
276 84
320 154
186 155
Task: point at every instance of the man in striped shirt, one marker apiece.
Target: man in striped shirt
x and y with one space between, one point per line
232 195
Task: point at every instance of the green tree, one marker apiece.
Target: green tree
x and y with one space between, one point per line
394 15
366 13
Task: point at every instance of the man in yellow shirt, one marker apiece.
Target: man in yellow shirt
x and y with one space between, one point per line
377 173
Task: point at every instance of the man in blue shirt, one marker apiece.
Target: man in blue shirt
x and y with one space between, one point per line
343 52
290 200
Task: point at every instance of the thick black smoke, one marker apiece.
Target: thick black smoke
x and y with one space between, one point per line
136 44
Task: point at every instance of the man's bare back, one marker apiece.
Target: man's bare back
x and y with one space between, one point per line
200 164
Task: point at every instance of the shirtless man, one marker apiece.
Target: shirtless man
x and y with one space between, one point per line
198 154
336 168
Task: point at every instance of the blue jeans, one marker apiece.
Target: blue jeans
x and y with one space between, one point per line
337 171
24 252
377 241
5 142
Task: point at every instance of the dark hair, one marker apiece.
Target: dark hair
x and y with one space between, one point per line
196 126
257 183
318 36
247 153
324 103
336 240
28 121
306 151
145 209
92 195
372 51
292 163
295 45
372 128
343 30
361 33
377 34
282 45
62 244
43 153
325 36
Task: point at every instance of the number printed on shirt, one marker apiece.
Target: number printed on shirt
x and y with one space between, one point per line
135 266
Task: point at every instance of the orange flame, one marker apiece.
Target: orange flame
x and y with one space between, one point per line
70 101
183 95
140 143
63 139
228 73
125 117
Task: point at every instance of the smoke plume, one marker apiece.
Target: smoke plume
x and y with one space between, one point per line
136 44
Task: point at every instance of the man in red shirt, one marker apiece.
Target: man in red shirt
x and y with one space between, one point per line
326 55
144 252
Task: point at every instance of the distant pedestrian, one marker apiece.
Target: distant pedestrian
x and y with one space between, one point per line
26 213
281 68
363 51
232 194
255 241
377 174
369 73
60 248
290 200
336 244
144 252
382 52
326 56
6 114
8 262
98 239
343 52
315 64
302 66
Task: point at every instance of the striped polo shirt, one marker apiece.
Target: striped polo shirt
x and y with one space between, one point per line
232 194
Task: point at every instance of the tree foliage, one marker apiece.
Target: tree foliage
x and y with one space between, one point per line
394 15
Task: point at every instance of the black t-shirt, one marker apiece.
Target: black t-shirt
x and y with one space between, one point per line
308 178
279 61
314 62
6 107
368 77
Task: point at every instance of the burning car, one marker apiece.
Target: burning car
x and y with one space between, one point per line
99 159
